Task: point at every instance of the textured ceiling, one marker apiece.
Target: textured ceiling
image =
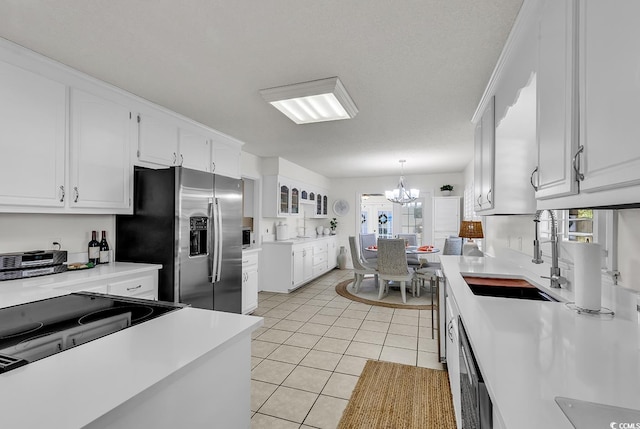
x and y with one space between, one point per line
416 69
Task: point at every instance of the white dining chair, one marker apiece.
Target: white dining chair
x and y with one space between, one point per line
360 268
392 266
411 240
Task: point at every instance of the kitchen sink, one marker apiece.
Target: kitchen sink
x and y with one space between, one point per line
506 288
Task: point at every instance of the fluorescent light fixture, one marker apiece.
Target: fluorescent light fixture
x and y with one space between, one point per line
315 101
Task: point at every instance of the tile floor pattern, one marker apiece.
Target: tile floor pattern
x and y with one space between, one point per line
307 357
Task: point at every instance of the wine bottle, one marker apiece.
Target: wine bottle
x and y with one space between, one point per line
94 249
104 249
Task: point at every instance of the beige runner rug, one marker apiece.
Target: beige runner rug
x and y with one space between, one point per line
395 396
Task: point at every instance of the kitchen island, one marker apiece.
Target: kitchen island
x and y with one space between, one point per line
530 352
187 368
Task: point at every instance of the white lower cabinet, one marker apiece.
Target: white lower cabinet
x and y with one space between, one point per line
249 281
302 263
453 352
289 265
140 286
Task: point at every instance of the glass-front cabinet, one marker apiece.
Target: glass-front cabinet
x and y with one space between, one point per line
295 201
285 193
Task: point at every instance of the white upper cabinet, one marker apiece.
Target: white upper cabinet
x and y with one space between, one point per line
225 156
487 162
556 99
609 62
157 139
484 158
101 133
195 150
32 139
591 146
505 135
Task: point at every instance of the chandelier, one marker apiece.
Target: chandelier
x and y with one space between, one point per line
401 195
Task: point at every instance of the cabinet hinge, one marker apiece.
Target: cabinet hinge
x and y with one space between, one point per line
138 153
129 115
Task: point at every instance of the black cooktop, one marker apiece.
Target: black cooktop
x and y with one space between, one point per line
38 329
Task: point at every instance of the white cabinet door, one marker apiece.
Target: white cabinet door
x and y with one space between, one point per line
226 157
453 356
488 146
556 134
195 151
32 140
298 265
100 169
249 282
477 168
157 139
332 257
609 94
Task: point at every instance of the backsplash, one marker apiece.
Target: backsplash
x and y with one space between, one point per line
23 232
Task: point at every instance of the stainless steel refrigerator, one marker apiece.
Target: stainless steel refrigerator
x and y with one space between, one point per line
190 222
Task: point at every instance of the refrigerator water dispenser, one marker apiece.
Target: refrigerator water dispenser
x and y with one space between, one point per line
198 235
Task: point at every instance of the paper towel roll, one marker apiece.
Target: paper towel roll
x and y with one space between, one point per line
587 286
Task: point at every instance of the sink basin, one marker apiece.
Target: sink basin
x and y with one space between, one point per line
506 288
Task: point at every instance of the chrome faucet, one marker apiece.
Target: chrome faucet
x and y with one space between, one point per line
556 279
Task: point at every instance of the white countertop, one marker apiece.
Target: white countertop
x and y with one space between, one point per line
297 240
13 292
75 387
529 352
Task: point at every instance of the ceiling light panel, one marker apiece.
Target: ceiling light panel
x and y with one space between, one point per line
315 101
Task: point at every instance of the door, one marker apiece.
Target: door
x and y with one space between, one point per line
33 123
195 205
609 94
556 134
101 132
195 151
227 287
157 139
488 156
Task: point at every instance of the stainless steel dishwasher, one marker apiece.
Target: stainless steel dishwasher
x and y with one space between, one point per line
476 407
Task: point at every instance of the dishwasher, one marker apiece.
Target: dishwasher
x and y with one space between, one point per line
476 407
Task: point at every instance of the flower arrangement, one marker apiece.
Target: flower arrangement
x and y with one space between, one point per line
334 224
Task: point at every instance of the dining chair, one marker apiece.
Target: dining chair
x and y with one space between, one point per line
392 266
360 268
411 240
367 240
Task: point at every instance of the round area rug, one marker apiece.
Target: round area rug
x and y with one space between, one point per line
368 294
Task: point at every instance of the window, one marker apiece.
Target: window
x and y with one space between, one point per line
582 225
411 219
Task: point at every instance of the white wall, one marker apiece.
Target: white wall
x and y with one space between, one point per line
24 232
350 190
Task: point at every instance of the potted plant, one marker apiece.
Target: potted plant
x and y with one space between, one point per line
334 224
446 189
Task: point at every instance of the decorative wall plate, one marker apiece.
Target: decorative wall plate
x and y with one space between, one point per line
341 207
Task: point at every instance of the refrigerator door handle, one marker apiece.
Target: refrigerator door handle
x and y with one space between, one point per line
212 233
217 256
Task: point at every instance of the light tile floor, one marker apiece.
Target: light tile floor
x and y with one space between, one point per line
307 357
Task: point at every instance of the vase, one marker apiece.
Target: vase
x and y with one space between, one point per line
342 258
446 193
